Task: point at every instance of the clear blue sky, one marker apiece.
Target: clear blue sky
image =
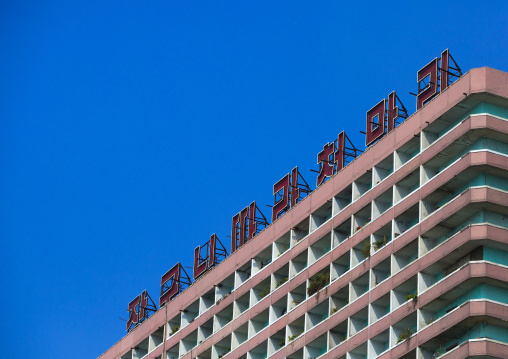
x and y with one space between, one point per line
132 131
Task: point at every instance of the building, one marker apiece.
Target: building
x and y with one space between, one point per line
401 254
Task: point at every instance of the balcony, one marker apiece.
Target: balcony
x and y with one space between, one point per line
173 352
379 308
155 339
360 252
406 186
276 342
358 321
261 260
205 331
403 330
316 315
259 352
300 231
359 352
242 274
190 313
260 291
281 245
405 221
140 350
339 300
362 185
340 266
297 296
382 170
359 287
258 323
280 277
320 216
362 218
189 342
316 348
174 324
240 336
295 329
319 248
406 152
406 293
206 301
222 348
342 200
278 309
241 304
224 288
380 273
404 256
382 237
473 328
379 344
298 263
382 203
337 334
341 232
222 318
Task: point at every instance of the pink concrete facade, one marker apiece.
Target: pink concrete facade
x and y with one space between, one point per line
433 221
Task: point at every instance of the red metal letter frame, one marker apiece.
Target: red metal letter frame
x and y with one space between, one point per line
375 129
283 184
169 292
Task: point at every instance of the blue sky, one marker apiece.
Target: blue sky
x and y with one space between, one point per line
132 131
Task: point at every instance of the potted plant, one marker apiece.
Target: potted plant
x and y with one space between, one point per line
280 282
405 334
366 249
264 292
413 297
379 243
174 329
318 282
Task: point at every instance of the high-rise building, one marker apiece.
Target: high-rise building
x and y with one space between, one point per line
401 254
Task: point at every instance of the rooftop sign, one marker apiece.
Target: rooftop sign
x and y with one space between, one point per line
432 79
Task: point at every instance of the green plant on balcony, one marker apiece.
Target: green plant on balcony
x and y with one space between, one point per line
174 329
413 297
430 320
380 243
334 310
280 282
366 249
282 342
318 282
293 337
264 292
439 351
405 334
